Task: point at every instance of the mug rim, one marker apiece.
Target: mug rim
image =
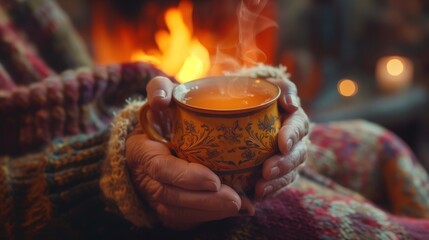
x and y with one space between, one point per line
187 85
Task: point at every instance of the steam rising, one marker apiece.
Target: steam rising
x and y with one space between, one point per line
243 52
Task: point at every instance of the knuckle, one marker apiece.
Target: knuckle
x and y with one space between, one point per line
144 183
139 157
304 129
299 155
296 133
282 182
157 193
302 124
180 176
292 160
303 156
288 164
301 149
290 87
153 169
287 179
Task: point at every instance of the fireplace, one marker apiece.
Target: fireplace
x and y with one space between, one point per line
322 43
183 38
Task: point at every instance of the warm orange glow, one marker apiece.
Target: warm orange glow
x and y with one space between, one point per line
347 87
179 53
170 42
395 66
394 73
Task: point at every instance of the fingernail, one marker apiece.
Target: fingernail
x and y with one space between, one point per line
159 93
211 186
274 172
289 144
292 100
267 190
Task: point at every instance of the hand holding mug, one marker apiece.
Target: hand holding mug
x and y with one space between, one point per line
227 123
184 194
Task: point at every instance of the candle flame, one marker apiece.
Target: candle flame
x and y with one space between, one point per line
394 73
395 66
347 87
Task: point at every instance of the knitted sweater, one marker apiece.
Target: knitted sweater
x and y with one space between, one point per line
348 190
79 101
62 169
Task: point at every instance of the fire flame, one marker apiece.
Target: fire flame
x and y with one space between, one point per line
180 54
175 49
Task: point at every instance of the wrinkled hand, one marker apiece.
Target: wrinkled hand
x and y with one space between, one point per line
281 169
185 194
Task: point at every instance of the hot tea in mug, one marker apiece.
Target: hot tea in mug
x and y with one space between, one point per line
227 123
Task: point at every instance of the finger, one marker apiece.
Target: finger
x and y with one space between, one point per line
266 188
289 100
226 199
149 157
293 129
159 91
183 218
161 121
279 165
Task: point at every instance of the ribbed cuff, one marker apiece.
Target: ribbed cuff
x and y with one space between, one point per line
115 182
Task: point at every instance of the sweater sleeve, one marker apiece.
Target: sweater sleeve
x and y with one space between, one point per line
60 181
63 182
115 182
66 178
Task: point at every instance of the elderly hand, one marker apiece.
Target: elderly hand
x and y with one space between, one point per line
281 169
186 194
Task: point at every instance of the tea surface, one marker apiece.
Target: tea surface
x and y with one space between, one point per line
227 97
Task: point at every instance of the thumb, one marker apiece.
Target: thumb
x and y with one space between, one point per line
289 100
159 92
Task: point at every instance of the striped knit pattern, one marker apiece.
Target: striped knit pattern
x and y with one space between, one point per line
21 61
51 31
37 188
77 101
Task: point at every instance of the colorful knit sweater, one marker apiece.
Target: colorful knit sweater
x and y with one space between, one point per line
63 175
360 182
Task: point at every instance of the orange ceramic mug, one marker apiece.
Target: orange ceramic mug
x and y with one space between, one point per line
227 123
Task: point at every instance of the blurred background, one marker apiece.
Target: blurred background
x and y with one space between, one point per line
366 59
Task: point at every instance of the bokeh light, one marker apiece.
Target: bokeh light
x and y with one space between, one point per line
347 87
395 66
394 73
